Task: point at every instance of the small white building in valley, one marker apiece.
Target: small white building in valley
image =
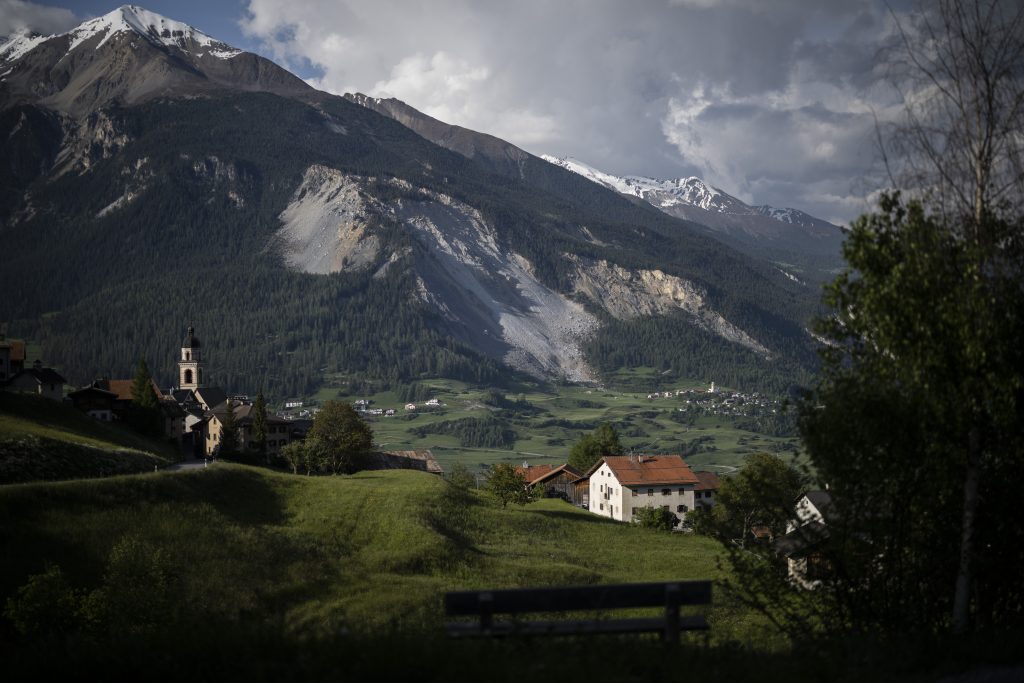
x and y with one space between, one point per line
622 483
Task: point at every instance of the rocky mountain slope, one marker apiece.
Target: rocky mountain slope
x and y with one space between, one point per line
153 175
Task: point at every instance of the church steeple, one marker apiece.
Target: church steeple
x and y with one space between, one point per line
190 371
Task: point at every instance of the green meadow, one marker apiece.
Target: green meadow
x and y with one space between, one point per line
232 572
559 416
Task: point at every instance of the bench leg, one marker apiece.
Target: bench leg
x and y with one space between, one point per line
671 633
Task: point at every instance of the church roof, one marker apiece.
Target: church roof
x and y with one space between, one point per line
191 340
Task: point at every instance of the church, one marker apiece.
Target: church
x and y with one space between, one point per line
206 408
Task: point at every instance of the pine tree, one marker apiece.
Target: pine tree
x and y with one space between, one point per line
228 432
259 426
142 387
144 413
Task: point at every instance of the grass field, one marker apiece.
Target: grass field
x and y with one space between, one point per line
238 573
366 552
564 414
45 440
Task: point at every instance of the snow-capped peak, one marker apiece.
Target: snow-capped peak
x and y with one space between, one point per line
157 29
661 193
152 26
681 192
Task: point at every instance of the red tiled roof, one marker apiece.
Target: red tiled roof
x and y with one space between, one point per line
633 470
708 481
123 388
535 471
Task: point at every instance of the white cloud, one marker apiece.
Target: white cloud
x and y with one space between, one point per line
17 16
770 99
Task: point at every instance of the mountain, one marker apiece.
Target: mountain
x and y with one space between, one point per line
787 236
491 152
153 176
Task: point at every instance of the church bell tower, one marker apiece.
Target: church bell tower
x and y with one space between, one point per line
190 369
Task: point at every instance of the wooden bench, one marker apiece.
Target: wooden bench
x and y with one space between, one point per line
485 604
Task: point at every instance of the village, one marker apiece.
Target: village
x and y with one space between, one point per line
618 487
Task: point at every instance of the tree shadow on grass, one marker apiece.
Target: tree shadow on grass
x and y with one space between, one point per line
244 496
574 516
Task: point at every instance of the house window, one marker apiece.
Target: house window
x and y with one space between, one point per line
602 506
664 507
696 494
634 492
666 492
680 508
680 491
188 377
650 492
602 488
707 494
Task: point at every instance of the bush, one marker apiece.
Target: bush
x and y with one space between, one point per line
655 518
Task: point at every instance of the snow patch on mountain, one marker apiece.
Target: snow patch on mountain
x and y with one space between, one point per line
157 29
18 45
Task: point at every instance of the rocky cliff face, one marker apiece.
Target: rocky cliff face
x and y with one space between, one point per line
489 296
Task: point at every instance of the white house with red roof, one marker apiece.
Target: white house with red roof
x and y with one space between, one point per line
622 483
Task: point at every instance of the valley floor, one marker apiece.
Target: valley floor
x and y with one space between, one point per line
560 415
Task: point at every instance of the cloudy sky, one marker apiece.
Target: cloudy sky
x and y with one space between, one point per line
773 101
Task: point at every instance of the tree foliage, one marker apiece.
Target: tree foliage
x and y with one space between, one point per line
259 425
655 518
338 437
509 485
459 476
144 413
591 447
759 495
229 441
915 419
921 393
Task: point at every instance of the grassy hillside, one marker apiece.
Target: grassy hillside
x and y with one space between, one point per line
45 440
232 573
371 551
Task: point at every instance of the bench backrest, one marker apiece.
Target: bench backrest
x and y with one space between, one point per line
578 598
